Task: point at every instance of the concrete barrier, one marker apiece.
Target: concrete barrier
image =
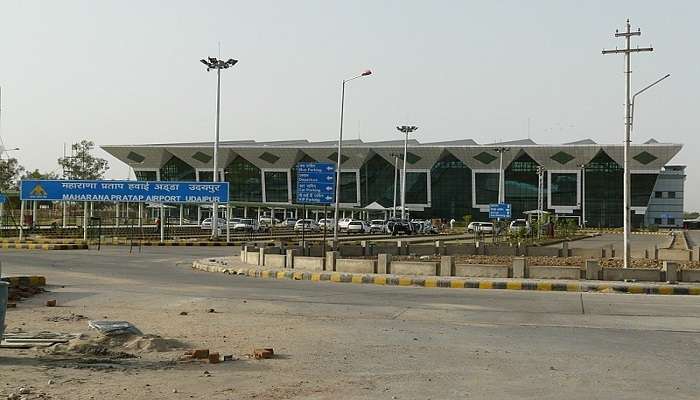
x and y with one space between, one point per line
355 266
690 275
482 270
637 274
447 266
385 249
252 258
331 257
413 268
536 251
291 254
312 264
275 260
384 264
350 250
670 272
592 269
501 250
674 255
553 272
519 267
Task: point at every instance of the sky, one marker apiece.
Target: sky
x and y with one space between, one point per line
128 72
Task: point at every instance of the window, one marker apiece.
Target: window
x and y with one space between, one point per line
603 191
642 185
276 187
521 185
486 187
450 188
146 175
245 180
348 187
658 195
564 186
671 221
177 170
657 221
416 187
671 195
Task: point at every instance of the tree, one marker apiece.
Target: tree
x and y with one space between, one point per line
39 175
82 164
10 171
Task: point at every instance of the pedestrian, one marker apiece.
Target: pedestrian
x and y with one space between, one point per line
157 224
452 223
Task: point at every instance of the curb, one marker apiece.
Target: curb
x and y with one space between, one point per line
43 246
26 281
454 283
170 244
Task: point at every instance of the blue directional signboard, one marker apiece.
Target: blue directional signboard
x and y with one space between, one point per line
499 211
315 183
123 191
3 199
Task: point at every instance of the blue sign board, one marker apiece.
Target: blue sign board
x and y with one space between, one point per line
315 183
499 211
123 191
3 199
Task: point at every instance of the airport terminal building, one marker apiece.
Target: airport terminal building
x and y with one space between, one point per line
443 179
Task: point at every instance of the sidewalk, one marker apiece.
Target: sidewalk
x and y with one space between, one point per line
231 265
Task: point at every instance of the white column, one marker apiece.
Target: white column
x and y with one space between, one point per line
21 217
306 214
92 209
2 212
245 212
182 213
85 220
116 212
140 219
35 206
258 213
162 222
65 214
199 214
228 225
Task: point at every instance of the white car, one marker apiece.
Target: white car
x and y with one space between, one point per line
377 225
326 223
267 221
246 225
520 224
481 227
306 225
206 223
357 226
343 224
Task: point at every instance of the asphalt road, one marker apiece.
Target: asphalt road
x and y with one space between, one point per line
406 343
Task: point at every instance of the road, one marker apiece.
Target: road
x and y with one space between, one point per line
638 242
366 341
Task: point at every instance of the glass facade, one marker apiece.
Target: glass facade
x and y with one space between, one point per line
146 175
276 187
416 187
603 192
641 188
564 186
206 176
245 180
451 188
521 185
376 182
348 187
177 170
486 187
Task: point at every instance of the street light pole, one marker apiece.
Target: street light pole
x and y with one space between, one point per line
340 156
627 51
396 178
218 65
583 194
406 130
634 96
501 174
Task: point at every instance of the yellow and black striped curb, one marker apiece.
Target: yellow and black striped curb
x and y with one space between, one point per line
166 244
454 283
45 246
26 281
42 241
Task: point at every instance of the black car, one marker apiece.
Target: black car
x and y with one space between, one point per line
398 226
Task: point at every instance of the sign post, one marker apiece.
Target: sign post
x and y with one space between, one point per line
315 185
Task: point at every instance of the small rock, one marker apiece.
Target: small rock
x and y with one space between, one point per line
51 303
211 310
183 313
24 390
13 396
174 390
51 382
205 372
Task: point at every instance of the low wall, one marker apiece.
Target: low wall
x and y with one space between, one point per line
252 257
413 268
355 266
674 255
536 251
275 260
349 250
421 249
639 274
553 272
690 275
312 264
380 248
500 250
459 249
482 270
587 253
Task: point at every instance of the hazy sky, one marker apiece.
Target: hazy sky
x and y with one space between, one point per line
123 72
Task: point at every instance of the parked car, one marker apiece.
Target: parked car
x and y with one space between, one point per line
357 226
482 227
246 225
519 224
289 223
306 225
424 227
343 224
377 226
220 222
268 222
326 223
397 226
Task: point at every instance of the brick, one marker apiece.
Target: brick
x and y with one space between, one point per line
263 353
214 358
200 354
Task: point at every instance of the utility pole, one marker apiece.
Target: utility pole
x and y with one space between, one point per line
501 174
406 130
540 197
396 178
627 51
